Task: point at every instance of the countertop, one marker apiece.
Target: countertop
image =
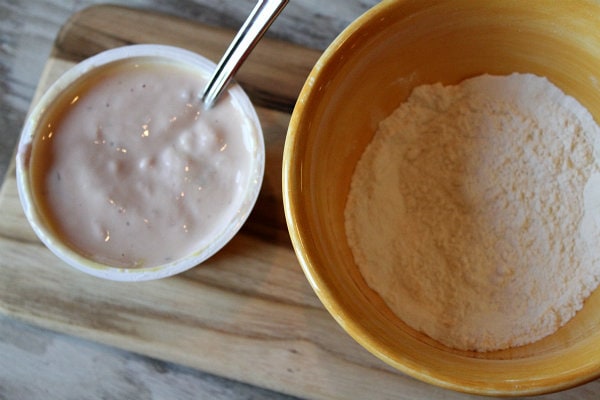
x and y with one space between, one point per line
37 363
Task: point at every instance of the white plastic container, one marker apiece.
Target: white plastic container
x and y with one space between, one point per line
55 241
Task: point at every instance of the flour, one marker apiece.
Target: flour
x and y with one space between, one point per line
474 212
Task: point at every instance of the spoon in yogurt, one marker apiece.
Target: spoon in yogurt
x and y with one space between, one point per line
257 23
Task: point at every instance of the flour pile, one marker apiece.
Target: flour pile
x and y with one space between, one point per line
474 212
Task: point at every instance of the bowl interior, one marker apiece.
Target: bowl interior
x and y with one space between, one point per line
362 78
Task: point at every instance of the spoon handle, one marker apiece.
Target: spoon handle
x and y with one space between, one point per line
257 23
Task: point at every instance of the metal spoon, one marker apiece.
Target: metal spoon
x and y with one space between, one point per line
257 23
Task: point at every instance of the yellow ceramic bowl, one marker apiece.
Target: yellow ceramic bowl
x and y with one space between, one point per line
361 78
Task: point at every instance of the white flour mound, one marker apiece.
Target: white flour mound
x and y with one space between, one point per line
474 212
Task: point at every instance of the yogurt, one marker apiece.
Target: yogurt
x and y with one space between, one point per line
129 170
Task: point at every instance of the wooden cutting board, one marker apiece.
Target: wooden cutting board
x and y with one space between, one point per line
248 313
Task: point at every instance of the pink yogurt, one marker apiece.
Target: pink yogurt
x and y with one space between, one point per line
125 175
